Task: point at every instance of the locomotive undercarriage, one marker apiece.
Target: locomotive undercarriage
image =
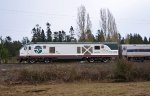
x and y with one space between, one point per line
32 60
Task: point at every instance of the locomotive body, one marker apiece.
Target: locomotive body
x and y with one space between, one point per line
47 52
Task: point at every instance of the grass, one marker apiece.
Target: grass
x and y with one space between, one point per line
78 89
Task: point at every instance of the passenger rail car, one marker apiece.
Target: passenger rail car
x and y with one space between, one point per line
47 52
136 51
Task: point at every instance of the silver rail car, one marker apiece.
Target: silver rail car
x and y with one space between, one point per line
136 51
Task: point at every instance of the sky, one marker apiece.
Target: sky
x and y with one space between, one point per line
18 17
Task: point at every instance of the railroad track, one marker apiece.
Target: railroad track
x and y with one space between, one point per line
23 65
11 66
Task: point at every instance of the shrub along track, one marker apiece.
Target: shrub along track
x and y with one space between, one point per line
74 71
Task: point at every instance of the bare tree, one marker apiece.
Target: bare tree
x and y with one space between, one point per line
108 25
81 22
89 37
84 25
103 22
88 23
25 40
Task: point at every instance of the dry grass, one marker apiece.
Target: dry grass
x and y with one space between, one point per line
38 73
61 73
78 89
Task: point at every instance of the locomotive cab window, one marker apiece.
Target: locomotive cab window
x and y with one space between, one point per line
29 47
25 47
97 47
102 46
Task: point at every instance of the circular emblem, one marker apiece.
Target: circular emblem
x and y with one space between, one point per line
38 49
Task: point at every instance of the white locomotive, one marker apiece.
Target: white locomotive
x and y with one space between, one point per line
47 52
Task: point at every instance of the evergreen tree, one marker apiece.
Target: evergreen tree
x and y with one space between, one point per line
132 39
60 37
7 45
3 54
100 36
72 34
139 39
8 49
56 37
127 40
145 41
122 41
49 33
68 38
34 37
8 39
43 39
36 31
38 34
89 36
63 35
16 45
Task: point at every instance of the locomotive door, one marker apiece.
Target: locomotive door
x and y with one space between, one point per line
28 50
87 50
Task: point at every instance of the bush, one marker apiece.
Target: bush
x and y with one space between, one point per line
123 70
60 73
141 71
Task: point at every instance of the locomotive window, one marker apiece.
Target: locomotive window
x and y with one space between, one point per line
52 50
97 47
44 47
25 48
29 47
78 50
102 46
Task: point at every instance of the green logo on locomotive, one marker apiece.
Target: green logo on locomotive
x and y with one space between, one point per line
38 49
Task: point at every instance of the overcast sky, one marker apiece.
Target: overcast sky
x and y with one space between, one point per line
18 17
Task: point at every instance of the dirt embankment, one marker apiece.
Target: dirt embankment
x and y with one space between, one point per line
78 89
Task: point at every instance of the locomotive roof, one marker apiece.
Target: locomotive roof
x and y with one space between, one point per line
112 45
72 43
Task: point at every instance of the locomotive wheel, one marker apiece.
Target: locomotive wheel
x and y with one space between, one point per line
31 61
105 60
91 60
47 61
